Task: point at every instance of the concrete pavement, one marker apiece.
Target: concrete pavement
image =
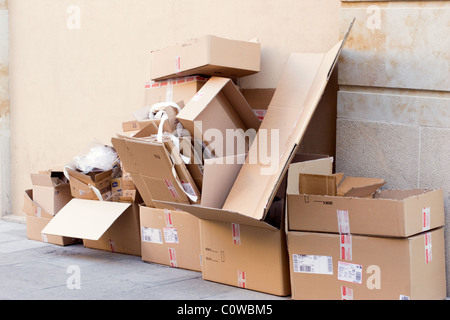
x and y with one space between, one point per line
31 270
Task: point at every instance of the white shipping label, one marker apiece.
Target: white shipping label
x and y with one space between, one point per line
168 218
350 272
346 247
312 264
188 189
151 235
426 217
171 235
403 297
343 222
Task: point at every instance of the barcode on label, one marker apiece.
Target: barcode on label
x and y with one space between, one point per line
151 235
312 264
171 235
350 272
188 188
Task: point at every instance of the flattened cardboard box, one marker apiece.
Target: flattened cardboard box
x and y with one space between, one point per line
105 225
170 238
51 190
298 93
36 220
327 266
207 55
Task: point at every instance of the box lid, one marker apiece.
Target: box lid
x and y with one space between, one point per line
85 219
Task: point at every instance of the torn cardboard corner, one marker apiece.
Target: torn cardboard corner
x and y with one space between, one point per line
207 55
338 185
297 95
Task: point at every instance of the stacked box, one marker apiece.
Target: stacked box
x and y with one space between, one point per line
383 245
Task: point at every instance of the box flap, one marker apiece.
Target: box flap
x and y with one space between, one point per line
318 166
47 178
85 219
359 186
299 91
220 215
317 184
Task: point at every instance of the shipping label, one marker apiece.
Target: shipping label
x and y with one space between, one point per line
346 293
151 235
350 272
171 235
312 264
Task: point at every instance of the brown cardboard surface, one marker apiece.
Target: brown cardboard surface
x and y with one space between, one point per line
122 236
175 89
218 105
85 219
170 238
206 55
390 268
245 256
401 217
51 190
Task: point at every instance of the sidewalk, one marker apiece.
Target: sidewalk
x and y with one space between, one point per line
31 270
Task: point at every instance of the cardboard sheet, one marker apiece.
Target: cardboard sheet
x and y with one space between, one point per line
85 219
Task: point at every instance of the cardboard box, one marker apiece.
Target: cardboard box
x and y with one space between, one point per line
396 213
245 256
91 186
157 172
219 105
104 225
51 190
207 55
36 220
337 267
173 90
170 238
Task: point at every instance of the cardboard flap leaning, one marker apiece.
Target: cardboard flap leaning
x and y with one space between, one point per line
298 93
48 178
85 219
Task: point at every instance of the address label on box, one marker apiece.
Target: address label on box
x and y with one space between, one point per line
151 235
313 264
350 272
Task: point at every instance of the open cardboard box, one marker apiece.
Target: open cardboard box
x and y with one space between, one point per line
104 225
298 93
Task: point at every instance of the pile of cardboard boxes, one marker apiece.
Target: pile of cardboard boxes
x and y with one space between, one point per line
259 215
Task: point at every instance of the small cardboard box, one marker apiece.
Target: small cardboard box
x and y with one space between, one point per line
36 220
173 90
328 266
104 225
207 55
220 106
51 190
170 238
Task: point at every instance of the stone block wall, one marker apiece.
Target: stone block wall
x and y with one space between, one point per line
394 95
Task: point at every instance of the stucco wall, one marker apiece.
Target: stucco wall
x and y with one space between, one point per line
78 68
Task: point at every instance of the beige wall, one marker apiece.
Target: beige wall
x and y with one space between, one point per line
394 99
70 86
5 181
